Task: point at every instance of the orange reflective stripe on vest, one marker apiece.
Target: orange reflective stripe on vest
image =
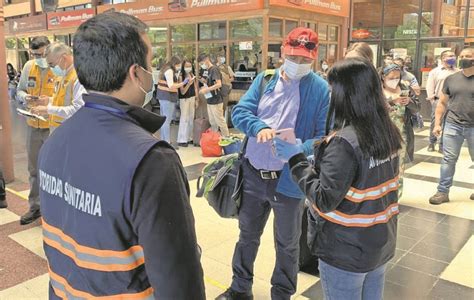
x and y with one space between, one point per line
92 258
343 219
64 290
373 193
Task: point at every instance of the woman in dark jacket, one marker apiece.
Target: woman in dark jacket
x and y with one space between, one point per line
12 81
352 185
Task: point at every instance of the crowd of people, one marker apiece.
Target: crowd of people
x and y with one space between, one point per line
115 200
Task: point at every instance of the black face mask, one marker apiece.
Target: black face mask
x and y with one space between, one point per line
466 63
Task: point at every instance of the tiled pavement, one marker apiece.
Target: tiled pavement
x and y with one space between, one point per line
434 257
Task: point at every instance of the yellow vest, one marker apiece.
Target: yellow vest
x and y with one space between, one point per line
63 95
39 85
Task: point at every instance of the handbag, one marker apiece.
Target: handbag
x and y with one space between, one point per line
221 183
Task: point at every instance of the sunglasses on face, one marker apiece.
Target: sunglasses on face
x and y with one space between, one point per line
307 45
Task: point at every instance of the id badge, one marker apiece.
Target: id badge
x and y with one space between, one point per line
31 82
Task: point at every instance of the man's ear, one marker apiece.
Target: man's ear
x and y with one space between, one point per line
133 74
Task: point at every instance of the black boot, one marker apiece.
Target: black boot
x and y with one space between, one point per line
3 203
233 295
30 217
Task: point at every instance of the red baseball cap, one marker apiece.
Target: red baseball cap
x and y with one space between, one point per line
301 41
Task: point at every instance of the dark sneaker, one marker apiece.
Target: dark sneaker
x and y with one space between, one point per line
183 144
3 203
191 142
431 148
439 198
233 295
472 197
30 217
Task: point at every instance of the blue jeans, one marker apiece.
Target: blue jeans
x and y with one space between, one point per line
339 284
433 138
453 138
167 109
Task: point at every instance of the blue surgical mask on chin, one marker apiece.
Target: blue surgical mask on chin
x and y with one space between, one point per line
149 94
57 71
296 71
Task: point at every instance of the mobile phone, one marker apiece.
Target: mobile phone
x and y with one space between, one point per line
287 134
405 93
34 98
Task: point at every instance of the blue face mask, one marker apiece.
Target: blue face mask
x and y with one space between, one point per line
451 61
57 71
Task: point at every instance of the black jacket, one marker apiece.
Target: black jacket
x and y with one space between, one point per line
352 221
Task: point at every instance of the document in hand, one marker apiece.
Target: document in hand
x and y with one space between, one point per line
27 114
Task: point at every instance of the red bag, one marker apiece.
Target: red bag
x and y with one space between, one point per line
210 144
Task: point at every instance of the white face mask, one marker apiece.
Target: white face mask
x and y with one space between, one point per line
188 70
392 83
222 60
296 71
149 94
325 67
204 66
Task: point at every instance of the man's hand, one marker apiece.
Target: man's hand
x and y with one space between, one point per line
437 130
404 101
203 91
40 110
265 135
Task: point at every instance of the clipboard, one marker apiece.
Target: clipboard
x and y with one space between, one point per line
27 114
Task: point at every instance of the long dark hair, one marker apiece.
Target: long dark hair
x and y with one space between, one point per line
183 72
170 65
357 99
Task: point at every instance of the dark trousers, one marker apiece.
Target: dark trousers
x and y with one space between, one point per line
2 186
259 197
35 139
433 138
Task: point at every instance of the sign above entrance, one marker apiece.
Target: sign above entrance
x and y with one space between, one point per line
148 10
72 18
330 7
27 24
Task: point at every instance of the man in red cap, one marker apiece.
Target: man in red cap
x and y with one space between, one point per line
295 99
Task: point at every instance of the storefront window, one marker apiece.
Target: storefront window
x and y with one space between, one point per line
10 43
401 19
184 51
212 49
333 33
158 34
23 43
443 19
246 57
274 56
183 33
332 54
250 28
402 49
322 32
309 25
62 38
212 31
322 52
290 25
275 27
159 56
367 23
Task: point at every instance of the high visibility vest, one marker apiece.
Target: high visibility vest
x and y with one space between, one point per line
40 83
91 246
360 234
63 95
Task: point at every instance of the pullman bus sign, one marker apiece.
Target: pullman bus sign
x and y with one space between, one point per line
72 18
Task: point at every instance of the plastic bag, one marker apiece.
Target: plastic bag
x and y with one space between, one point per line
210 144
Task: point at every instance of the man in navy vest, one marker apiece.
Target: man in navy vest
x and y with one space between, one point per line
117 221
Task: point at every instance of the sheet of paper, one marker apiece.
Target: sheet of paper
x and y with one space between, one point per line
30 115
